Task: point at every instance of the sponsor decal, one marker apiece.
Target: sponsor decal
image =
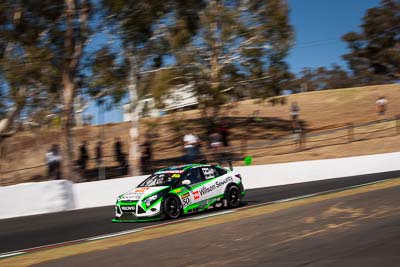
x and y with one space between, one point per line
208 173
128 208
196 194
207 189
141 189
186 199
176 175
136 194
132 196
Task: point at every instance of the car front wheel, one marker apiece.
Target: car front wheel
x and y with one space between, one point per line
172 207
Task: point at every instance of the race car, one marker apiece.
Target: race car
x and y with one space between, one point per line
173 191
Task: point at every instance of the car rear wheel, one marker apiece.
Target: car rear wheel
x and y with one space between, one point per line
233 196
172 207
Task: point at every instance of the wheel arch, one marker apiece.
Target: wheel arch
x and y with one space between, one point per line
231 184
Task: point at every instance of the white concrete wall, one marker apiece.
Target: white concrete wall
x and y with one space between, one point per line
53 196
305 171
36 198
103 193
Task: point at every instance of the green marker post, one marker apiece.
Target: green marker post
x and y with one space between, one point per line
248 160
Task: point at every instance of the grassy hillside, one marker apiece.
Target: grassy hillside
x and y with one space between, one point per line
318 110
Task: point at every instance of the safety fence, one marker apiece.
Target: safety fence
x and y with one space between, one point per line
108 168
288 144
309 139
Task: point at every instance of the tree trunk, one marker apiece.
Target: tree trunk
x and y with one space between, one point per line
215 54
6 123
134 151
74 39
215 46
67 165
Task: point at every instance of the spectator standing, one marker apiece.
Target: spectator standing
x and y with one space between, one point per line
294 111
191 146
298 134
119 155
224 131
99 160
215 142
99 153
146 154
53 159
83 157
381 105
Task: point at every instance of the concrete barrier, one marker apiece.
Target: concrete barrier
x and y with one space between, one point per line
306 171
53 196
36 198
103 193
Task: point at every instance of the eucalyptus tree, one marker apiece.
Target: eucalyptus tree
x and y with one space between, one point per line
374 55
212 44
136 27
28 79
238 44
41 44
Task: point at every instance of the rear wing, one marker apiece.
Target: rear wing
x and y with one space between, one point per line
219 163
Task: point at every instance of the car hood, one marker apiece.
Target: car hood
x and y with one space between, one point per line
141 192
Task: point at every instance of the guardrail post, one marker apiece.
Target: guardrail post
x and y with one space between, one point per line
350 132
302 140
243 146
398 124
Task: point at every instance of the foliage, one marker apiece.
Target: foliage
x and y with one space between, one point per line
239 45
375 52
322 78
28 77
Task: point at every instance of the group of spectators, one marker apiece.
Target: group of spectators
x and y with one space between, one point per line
84 155
53 157
217 138
299 131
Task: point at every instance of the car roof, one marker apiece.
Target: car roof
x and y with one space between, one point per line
184 167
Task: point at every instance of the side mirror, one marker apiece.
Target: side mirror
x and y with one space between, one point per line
186 182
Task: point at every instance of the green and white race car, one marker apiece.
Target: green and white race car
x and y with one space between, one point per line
173 191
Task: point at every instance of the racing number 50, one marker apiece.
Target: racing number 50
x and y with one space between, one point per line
186 199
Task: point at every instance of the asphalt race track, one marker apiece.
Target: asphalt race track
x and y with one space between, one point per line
358 227
38 230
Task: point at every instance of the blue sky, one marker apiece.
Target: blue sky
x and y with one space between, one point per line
325 21
319 26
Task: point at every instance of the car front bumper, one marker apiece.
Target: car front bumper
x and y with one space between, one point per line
137 211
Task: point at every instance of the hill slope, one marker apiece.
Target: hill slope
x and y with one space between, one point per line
318 110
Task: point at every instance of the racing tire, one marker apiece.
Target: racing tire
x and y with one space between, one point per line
233 196
172 207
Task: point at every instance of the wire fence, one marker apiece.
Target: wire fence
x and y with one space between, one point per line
293 143
288 144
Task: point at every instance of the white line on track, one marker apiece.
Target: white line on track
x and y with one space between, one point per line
211 215
10 254
115 234
23 251
292 199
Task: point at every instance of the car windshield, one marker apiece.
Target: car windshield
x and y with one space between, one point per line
162 178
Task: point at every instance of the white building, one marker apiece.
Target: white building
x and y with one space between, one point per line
177 98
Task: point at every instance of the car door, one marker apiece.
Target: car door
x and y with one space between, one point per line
192 195
212 189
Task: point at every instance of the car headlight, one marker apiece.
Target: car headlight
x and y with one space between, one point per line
150 200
